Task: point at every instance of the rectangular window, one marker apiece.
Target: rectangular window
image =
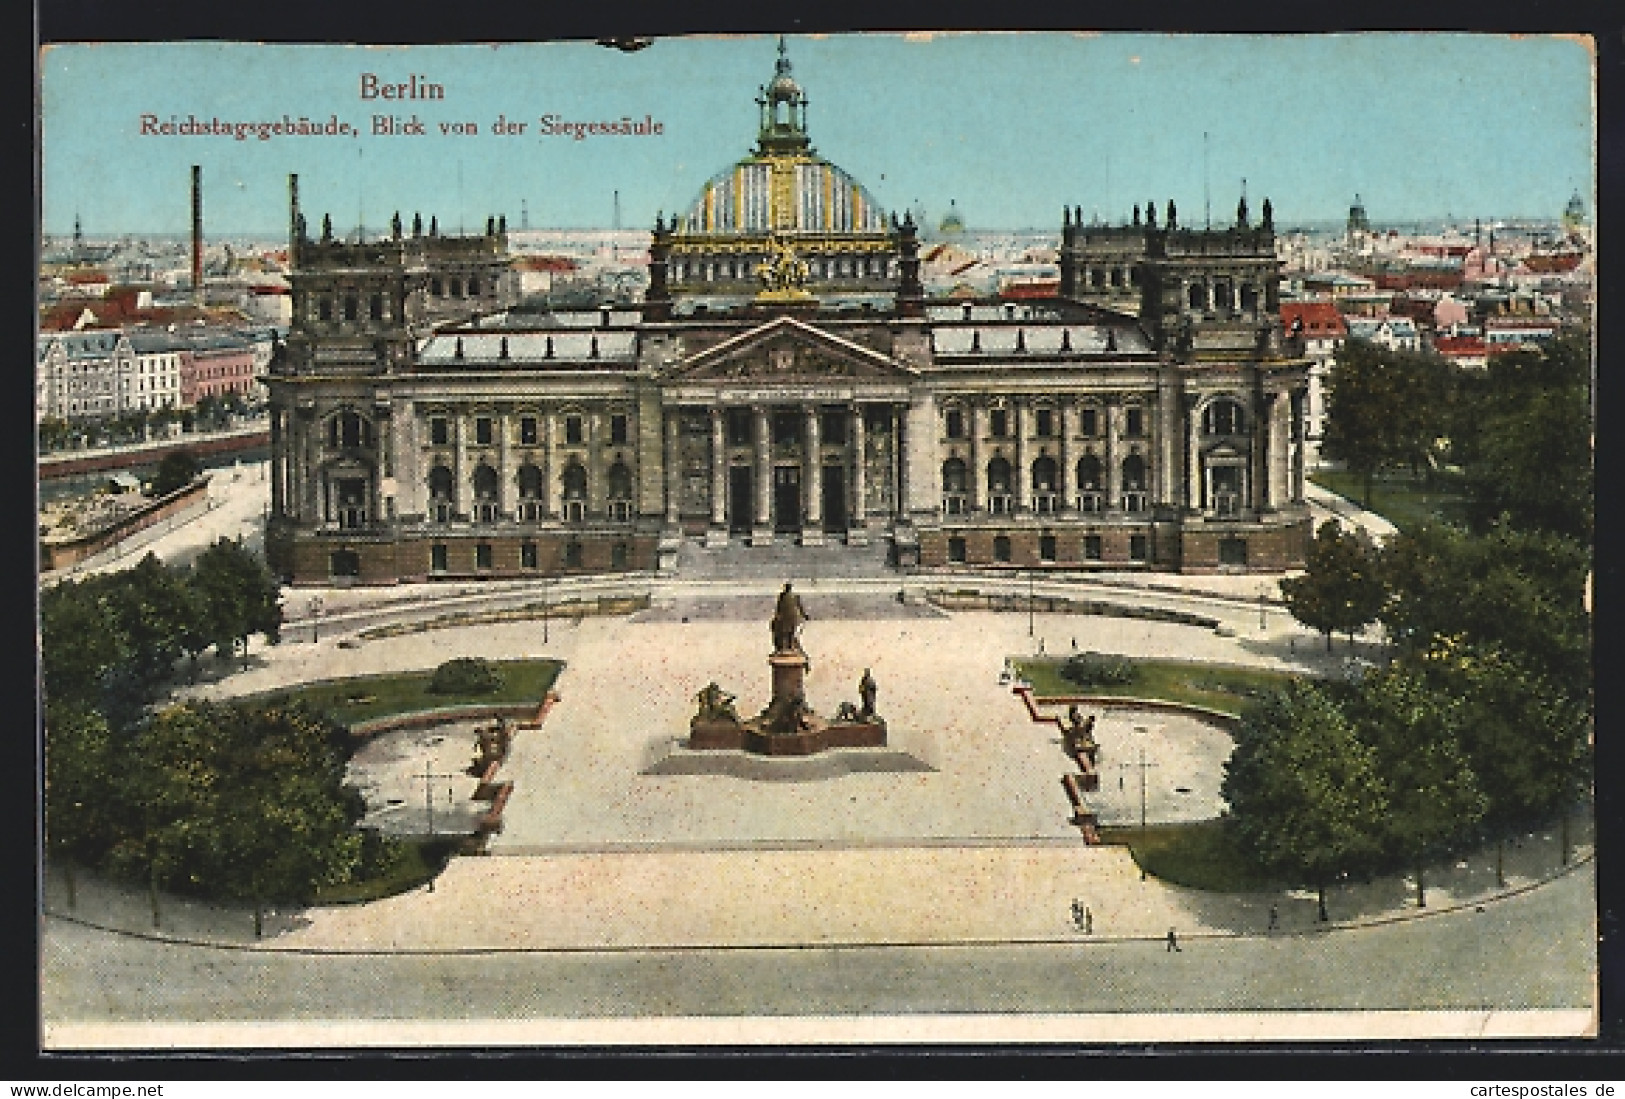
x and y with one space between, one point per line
1091 547
482 555
439 431
999 423
527 430
739 427
377 307
437 557
1091 422
1046 547
572 429
527 555
1045 423
832 428
1136 422
956 424
1137 547
956 551
482 431
617 429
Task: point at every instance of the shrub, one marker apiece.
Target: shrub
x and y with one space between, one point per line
1099 670
465 675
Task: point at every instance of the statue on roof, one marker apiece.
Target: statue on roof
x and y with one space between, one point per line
783 273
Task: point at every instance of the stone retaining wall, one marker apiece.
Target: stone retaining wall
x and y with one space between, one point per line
64 554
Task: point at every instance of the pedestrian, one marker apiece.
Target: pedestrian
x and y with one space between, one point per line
1074 644
1275 917
1040 646
1088 922
1173 942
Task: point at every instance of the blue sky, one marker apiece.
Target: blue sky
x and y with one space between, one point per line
1009 126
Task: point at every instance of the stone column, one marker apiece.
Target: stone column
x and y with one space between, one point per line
460 470
1258 457
1018 473
859 481
1280 488
279 466
505 485
719 469
1114 471
674 473
1298 457
974 481
1162 476
899 475
762 534
550 465
921 462
1193 456
812 523
1063 475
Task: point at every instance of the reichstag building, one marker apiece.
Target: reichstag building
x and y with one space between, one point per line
786 379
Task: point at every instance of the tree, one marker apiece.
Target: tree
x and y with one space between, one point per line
1520 591
1305 797
79 640
1434 799
237 596
1526 441
178 469
1341 587
80 774
1385 408
240 801
1526 739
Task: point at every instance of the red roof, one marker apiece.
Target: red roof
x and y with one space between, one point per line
545 263
1047 288
1320 318
1451 346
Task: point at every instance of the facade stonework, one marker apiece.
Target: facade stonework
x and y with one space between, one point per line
785 380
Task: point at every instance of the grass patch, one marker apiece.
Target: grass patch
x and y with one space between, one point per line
399 866
1405 501
1198 856
365 698
1227 690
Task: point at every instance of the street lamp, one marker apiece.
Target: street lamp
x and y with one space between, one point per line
1029 602
315 618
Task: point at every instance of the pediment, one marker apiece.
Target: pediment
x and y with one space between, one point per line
789 351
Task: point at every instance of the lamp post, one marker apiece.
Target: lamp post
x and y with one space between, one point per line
1030 602
315 619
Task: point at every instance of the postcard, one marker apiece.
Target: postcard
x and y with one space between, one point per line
860 539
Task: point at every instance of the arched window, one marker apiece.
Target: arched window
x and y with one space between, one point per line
530 493
349 429
1089 473
485 483
954 475
998 476
1134 473
575 481
440 484
1044 474
1223 417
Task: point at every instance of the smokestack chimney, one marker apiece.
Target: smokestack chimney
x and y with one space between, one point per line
197 233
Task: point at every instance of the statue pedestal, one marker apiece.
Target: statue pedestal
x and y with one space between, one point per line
789 676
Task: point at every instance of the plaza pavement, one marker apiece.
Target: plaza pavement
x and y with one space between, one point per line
595 855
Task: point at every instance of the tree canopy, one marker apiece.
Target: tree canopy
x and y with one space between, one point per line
1341 588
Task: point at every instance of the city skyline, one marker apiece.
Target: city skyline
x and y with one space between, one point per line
1025 123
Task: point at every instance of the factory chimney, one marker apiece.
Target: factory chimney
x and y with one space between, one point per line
197 233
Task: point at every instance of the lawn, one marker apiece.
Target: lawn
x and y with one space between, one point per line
365 698
1198 856
1405 501
1213 687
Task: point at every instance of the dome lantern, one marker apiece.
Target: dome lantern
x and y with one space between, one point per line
784 112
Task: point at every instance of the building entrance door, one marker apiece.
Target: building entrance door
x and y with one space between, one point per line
835 498
787 498
741 498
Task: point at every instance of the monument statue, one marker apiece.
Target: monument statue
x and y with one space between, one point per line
788 617
785 272
715 704
866 694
